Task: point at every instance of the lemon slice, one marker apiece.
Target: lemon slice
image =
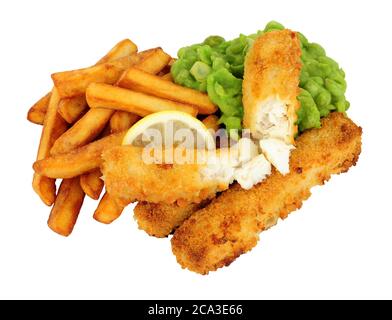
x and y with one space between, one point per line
170 129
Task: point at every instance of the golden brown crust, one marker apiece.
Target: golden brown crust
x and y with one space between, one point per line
272 68
129 178
215 236
159 220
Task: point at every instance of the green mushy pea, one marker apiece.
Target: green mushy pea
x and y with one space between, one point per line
216 66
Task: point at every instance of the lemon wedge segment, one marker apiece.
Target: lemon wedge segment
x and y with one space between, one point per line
170 129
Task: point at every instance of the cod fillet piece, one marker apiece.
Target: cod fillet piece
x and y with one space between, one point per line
271 86
130 175
229 226
270 89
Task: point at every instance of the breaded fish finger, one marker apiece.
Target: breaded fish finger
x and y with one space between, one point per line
215 236
270 87
129 177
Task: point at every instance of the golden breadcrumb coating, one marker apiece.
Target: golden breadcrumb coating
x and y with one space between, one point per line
272 69
129 178
215 236
159 219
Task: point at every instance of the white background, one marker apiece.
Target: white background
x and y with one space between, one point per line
337 246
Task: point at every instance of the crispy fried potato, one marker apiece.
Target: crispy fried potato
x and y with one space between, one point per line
92 123
141 81
92 184
215 236
72 108
122 49
101 95
67 206
78 161
122 120
37 112
159 219
211 122
166 69
105 132
167 77
82 132
74 83
108 209
53 127
151 61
